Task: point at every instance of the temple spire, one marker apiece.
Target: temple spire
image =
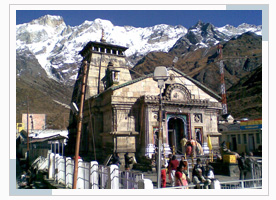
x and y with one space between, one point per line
103 39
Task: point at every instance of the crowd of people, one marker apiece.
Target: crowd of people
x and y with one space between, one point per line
178 173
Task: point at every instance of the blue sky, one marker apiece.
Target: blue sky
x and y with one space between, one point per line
146 18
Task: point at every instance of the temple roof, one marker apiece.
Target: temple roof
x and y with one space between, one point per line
201 86
91 44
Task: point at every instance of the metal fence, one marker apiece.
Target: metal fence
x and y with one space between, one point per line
215 184
239 184
129 180
242 184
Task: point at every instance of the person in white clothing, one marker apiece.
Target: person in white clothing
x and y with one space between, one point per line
210 176
210 172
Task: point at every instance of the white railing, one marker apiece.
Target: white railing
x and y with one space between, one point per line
238 184
215 184
91 175
242 184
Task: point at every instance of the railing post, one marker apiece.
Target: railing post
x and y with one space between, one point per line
80 177
86 175
108 181
61 170
126 178
94 175
69 172
215 184
145 184
51 166
114 177
56 168
242 184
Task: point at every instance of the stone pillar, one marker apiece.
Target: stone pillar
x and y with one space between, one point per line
167 149
148 145
149 150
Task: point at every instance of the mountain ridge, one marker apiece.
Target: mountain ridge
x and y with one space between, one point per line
48 55
56 45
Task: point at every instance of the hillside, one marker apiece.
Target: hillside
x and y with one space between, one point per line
245 98
45 95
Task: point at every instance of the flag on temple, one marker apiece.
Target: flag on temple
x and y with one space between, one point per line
209 143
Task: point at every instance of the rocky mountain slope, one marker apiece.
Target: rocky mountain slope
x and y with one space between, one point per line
245 97
242 55
45 95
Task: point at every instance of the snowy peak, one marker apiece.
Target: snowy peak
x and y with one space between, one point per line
49 20
243 28
206 35
39 30
56 45
103 23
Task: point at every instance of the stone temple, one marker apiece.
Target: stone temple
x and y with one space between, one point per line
121 113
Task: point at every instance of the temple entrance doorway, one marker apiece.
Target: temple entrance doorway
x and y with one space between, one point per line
175 134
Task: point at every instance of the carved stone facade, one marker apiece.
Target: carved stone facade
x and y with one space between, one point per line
121 115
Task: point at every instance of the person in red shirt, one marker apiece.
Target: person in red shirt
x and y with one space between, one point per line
173 164
163 176
184 163
180 177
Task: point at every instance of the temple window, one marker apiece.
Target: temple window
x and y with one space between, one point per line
115 76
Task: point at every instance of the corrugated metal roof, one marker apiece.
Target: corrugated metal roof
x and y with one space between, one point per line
51 138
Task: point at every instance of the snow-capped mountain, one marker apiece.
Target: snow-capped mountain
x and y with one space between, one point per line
206 35
56 45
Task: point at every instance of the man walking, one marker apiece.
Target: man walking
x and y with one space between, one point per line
172 169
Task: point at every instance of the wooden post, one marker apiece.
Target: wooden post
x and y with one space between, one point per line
79 126
28 140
